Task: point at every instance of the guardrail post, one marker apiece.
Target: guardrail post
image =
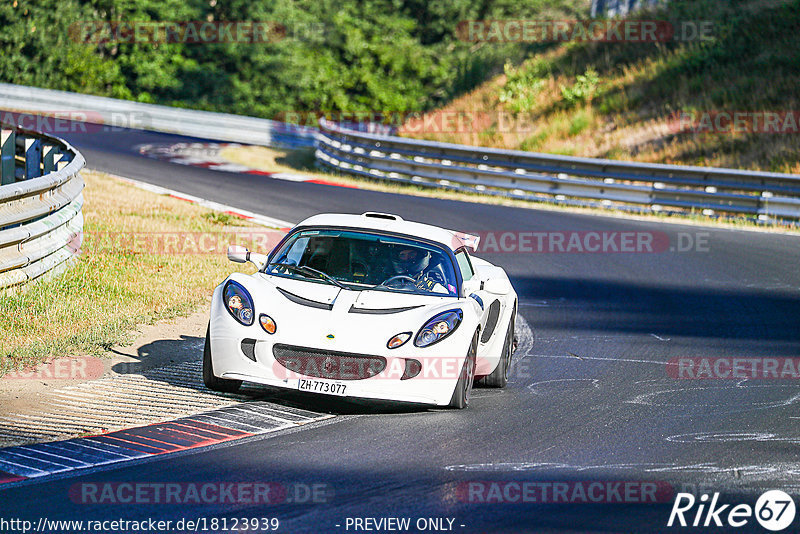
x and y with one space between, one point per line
33 158
7 150
48 158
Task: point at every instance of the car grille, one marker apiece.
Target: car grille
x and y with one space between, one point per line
328 364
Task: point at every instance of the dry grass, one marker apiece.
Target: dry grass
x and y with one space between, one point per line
117 282
273 159
745 67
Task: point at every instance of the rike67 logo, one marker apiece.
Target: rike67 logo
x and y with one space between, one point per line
774 510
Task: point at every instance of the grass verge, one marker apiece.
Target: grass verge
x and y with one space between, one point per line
656 102
140 264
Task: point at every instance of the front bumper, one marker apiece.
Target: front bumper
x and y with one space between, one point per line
434 385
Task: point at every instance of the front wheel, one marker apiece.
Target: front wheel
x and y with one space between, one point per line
460 398
211 381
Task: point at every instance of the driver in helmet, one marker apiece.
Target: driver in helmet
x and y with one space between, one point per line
414 263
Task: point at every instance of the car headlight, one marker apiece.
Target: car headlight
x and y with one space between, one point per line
438 327
238 302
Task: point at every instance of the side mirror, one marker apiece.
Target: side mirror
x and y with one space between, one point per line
497 286
472 285
240 254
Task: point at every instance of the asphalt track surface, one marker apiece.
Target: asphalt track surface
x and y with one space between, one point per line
590 398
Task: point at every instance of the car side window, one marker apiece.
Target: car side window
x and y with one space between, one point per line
464 265
295 253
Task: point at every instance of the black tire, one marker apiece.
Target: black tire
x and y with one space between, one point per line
211 381
460 398
499 377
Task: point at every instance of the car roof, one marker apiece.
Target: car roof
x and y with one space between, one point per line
387 222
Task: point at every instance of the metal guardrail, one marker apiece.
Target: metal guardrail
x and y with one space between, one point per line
613 8
127 114
560 179
516 174
41 195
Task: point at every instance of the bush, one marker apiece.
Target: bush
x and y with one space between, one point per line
583 90
522 86
336 55
579 123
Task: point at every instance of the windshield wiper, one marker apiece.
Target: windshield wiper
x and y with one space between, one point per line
332 280
305 269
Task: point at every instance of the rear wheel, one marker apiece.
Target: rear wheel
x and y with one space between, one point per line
460 398
211 381
499 377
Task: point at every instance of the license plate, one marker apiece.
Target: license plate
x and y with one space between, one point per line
319 386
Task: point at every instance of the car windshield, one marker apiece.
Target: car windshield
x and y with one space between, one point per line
362 260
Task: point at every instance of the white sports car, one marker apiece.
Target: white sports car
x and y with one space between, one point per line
368 306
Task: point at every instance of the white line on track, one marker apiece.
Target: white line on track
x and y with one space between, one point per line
593 382
256 218
613 360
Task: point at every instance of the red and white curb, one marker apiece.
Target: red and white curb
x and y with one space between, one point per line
209 156
132 416
202 430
